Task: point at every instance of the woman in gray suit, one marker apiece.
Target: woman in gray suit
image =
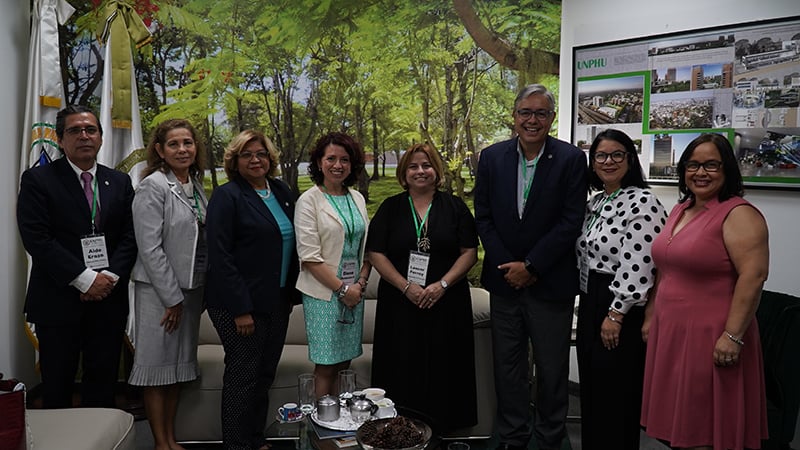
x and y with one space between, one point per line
169 212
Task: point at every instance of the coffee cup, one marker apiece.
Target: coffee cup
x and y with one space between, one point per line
289 412
374 394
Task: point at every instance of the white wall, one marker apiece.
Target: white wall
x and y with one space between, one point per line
16 352
586 22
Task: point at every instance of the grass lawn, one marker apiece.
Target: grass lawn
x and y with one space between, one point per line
379 190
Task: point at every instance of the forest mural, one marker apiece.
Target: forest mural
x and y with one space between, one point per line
389 72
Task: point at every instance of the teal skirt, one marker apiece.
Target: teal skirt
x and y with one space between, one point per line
330 341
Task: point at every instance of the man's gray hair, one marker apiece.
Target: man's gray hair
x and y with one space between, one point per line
532 89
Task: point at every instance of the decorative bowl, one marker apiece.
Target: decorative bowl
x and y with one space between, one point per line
368 431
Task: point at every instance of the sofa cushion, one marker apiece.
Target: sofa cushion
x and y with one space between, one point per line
82 428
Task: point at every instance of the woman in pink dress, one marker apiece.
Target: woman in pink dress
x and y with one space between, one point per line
703 384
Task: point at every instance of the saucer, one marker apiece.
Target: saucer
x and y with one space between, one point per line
297 419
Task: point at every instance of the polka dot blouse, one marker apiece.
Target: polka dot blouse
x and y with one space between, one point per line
618 232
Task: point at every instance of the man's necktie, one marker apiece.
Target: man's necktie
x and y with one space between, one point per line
89 193
87 187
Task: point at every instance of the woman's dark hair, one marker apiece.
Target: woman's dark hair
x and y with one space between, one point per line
159 137
733 184
350 145
634 176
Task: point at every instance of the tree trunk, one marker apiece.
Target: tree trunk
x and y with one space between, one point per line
530 63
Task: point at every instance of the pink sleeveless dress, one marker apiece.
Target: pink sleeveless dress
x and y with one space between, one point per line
687 400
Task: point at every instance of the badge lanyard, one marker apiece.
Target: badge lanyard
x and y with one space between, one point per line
596 214
197 205
418 226
350 227
528 183
94 203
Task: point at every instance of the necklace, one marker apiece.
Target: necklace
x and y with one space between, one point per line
421 226
264 193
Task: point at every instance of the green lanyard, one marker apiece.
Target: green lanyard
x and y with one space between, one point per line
197 205
94 202
417 224
528 183
350 231
596 213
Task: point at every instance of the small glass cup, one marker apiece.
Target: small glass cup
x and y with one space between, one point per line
306 392
347 384
457 445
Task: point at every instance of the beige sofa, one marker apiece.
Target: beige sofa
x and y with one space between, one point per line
80 428
198 417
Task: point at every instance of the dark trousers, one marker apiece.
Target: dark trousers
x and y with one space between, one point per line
611 380
96 344
250 365
547 325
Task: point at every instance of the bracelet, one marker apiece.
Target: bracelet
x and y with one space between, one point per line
735 339
405 289
612 309
364 284
611 318
342 291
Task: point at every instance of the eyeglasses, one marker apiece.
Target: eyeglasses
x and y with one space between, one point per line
343 319
708 166
76 131
540 114
249 155
617 157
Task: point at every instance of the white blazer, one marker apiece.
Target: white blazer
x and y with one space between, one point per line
166 233
320 237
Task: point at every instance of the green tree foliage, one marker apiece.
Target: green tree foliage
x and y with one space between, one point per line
389 72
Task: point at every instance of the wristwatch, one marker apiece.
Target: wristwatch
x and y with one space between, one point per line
529 267
443 283
340 293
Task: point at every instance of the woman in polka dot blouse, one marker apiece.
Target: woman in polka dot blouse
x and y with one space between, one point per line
616 273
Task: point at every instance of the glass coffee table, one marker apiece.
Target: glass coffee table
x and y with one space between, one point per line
301 435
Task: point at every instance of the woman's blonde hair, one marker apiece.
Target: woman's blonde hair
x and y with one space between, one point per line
230 159
433 157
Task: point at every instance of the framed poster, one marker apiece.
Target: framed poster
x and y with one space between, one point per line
742 81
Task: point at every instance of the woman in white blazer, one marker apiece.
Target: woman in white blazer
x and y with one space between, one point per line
169 212
331 226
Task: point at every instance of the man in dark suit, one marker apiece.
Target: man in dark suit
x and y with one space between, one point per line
530 194
74 217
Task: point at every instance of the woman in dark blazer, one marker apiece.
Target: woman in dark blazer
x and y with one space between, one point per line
250 282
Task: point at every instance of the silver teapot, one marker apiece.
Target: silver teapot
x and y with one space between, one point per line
362 409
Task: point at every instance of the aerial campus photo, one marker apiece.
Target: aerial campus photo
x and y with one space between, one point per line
611 100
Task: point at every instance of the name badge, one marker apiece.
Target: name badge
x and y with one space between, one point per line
349 271
584 276
418 267
95 255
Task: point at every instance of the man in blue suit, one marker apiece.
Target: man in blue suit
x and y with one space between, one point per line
75 220
530 194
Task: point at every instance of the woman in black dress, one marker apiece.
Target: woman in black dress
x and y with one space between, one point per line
423 242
